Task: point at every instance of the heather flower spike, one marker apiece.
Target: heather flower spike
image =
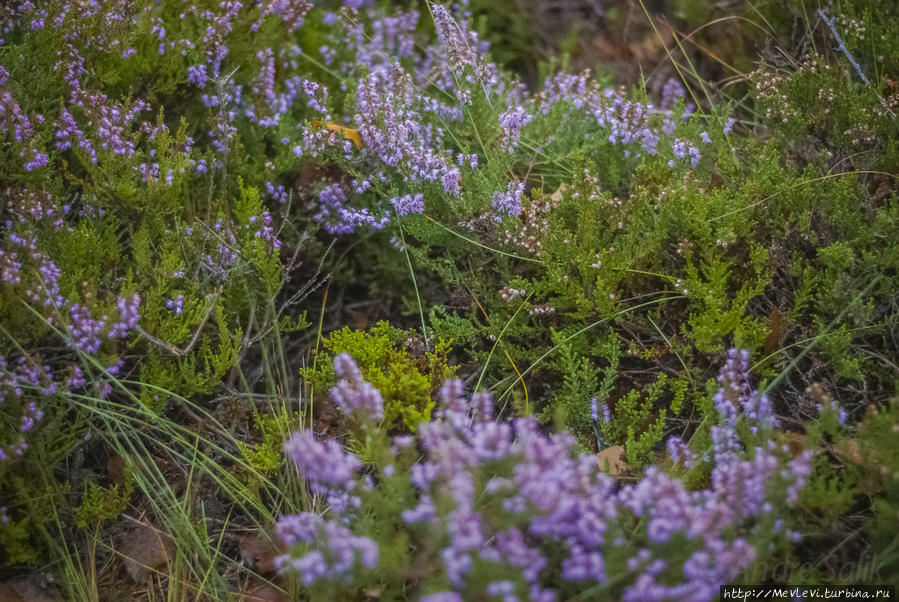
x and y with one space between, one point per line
353 395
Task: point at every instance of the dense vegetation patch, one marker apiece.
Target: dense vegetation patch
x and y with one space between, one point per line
253 255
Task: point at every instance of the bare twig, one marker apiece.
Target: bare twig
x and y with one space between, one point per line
174 349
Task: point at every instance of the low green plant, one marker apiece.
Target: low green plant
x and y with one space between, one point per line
397 362
99 503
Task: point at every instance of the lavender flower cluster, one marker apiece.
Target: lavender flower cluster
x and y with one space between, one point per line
337 550
14 381
406 127
15 123
520 515
85 331
23 382
402 127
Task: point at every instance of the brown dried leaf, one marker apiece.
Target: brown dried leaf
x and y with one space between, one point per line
850 451
115 468
775 332
796 443
8 594
259 553
264 592
146 550
611 460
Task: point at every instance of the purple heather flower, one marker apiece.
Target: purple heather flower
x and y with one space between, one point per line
128 316
323 463
672 91
408 203
833 406
298 528
684 148
196 75
424 512
582 564
402 442
501 588
511 121
85 330
338 551
460 46
77 379
679 452
728 126
509 202
339 219
442 597
800 468
393 131
176 305
353 395
452 181
116 368
276 192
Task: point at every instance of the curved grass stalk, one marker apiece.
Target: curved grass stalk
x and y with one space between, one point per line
483 246
421 311
127 429
798 184
589 327
814 338
833 324
497 342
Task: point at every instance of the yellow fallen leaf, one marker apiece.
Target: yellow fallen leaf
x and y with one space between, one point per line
348 133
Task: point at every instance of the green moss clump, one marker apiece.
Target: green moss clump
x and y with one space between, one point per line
408 382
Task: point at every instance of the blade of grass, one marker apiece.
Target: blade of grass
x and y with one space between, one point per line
589 327
497 342
676 354
421 313
476 243
830 327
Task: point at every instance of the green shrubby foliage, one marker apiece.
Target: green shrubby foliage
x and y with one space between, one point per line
100 503
266 456
137 207
398 363
177 180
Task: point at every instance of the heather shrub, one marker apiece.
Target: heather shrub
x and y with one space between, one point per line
139 262
491 507
656 222
873 455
